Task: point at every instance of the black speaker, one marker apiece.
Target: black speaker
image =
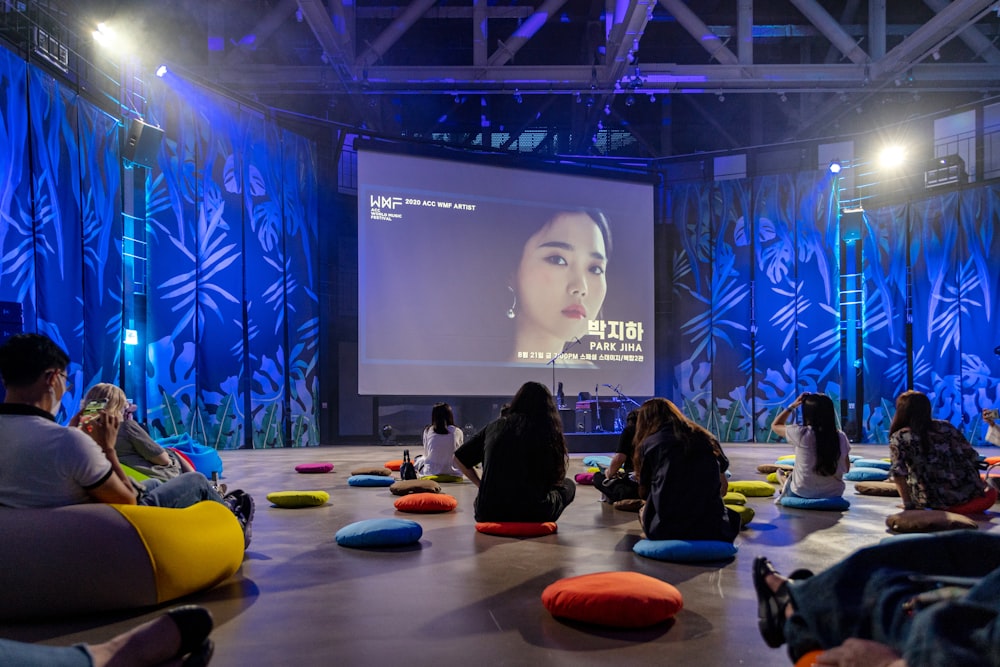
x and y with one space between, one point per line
142 143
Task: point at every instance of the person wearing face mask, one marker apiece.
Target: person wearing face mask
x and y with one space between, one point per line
559 284
44 464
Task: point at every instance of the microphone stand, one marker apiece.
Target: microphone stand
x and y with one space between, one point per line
597 411
552 362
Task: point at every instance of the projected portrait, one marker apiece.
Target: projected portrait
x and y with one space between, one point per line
558 286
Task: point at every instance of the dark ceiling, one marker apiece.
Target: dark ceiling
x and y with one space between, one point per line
634 78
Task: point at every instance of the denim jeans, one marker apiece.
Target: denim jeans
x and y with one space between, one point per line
23 654
182 491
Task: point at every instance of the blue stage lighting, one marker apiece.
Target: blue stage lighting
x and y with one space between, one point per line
835 167
161 70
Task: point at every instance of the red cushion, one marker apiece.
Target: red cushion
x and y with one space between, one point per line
313 468
424 503
977 505
394 465
182 455
617 599
584 478
516 528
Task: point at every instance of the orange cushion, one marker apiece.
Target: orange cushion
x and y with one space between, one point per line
426 503
617 599
977 505
992 460
516 528
808 660
394 465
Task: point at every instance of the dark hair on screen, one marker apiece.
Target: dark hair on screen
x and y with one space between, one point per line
441 418
913 411
534 404
818 413
25 357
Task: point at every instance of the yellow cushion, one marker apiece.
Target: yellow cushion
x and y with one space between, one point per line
733 498
746 514
444 479
753 487
293 499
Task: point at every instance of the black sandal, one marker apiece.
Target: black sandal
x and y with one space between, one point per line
771 605
194 625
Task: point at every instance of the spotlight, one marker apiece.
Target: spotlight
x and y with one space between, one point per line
607 109
652 97
629 100
891 157
835 167
517 96
722 98
782 97
576 97
161 71
103 35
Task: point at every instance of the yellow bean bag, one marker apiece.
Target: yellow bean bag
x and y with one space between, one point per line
94 557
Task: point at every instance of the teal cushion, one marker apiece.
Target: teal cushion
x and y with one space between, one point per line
685 551
866 475
379 533
837 504
370 480
871 463
598 461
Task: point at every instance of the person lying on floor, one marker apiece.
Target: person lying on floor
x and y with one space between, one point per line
44 464
906 602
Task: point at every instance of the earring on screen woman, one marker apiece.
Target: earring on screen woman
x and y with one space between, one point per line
510 311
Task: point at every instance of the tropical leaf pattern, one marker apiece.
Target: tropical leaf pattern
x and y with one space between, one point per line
230 327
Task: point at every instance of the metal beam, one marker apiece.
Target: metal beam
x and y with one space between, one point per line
332 43
980 44
697 29
876 28
744 32
941 29
623 41
832 30
506 50
396 29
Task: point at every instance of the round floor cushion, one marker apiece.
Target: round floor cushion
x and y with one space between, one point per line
584 478
880 464
977 505
295 499
599 461
733 498
517 528
394 465
859 474
888 489
369 480
372 470
628 504
444 479
752 488
314 468
379 533
406 486
426 503
614 599
838 504
745 512
928 521
768 468
685 551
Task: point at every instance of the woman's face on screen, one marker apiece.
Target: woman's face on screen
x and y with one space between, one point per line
561 278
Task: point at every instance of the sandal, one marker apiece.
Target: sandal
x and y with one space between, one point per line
194 625
771 605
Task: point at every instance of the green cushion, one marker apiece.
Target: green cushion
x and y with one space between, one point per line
134 474
752 487
746 513
444 479
733 498
292 499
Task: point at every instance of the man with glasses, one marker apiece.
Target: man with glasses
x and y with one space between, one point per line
44 464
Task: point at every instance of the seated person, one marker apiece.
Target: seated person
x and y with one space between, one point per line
618 482
927 602
524 459
441 439
992 430
933 465
133 445
43 464
821 449
681 471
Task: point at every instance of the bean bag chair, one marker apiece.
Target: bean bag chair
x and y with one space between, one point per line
90 558
204 459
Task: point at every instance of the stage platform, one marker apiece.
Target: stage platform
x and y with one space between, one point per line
592 443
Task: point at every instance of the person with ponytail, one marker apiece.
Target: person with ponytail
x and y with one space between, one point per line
821 449
933 465
681 469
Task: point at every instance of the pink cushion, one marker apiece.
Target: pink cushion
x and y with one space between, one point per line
313 468
617 599
516 528
426 503
585 478
977 505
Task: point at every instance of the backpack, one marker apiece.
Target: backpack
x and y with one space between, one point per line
406 469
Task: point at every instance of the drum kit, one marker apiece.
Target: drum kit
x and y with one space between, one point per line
597 414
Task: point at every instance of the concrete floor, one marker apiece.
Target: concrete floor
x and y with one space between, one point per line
461 597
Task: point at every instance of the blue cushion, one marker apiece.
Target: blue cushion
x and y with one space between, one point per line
599 461
866 475
871 463
835 504
370 480
685 551
379 533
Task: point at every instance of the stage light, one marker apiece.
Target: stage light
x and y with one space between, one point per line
782 97
629 100
722 98
161 71
104 35
835 166
652 97
891 157
517 96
